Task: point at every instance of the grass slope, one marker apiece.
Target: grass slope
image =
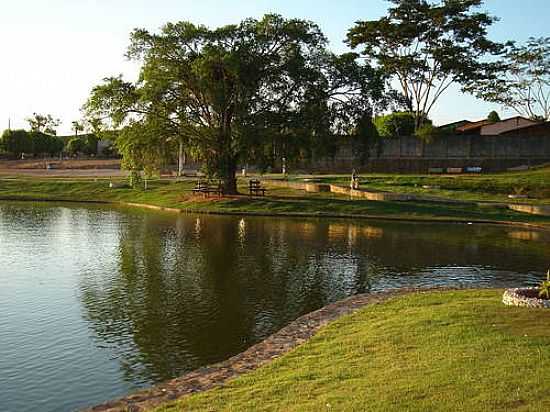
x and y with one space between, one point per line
489 187
437 351
279 201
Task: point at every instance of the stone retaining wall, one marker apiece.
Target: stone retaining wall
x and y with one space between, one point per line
361 194
401 197
531 209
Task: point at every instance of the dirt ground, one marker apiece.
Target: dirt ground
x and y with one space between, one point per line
61 164
62 168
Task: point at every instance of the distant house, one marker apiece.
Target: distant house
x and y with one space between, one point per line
537 129
451 127
473 127
488 128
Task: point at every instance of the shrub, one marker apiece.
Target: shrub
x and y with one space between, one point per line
135 178
45 144
493 117
395 125
16 142
544 288
427 132
74 146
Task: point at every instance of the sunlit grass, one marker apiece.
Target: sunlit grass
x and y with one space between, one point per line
173 194
437 351
488 187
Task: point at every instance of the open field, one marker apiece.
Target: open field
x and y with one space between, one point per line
92 168
70 164
279 201
437 351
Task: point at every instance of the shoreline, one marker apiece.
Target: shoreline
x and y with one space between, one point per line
281 342
442 220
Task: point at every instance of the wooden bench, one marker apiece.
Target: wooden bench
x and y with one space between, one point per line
255 187
208 187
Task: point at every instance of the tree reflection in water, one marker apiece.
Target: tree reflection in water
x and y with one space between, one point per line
190 291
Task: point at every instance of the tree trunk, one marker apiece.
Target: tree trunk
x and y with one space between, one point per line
180 160
229 178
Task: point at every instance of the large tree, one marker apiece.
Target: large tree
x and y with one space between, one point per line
523 84
428 46
234 93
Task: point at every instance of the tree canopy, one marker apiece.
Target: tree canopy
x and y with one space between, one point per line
17 142
238 93
523 84
428 46
43 123
493 117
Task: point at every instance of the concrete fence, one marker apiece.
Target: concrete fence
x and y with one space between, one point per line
409 154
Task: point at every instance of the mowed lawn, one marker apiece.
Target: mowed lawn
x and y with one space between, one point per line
435 351
488 187
279 201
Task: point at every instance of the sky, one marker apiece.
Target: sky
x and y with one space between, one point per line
53 52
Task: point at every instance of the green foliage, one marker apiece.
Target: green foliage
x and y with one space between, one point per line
144 146
427 132
17 142
366 139
523 82
43 123
395 125
84 144
74 146
253 92
135 179
493 117
544 288
427 46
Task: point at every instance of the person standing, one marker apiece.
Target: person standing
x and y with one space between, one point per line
353 183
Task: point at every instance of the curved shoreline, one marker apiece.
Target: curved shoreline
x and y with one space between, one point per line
276 345
443 220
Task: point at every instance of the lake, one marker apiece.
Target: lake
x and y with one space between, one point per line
96 302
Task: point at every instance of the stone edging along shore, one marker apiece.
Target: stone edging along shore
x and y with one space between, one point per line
281 342
542 210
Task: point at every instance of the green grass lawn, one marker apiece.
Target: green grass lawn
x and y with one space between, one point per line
436 351
488 187
281 201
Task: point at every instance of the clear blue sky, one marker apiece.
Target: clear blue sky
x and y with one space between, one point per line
53 52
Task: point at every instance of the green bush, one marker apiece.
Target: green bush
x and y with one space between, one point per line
17 142
427 132
493 117
395 125
544 288
45 144
85 144
135 179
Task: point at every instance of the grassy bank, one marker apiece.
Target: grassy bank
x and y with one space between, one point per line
447 351
282 201
488 187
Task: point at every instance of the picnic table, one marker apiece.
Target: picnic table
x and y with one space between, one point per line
255 188
208 187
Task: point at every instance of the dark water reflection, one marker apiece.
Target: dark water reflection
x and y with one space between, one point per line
97 302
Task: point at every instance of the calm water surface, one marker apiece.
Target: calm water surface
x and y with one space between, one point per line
98 302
